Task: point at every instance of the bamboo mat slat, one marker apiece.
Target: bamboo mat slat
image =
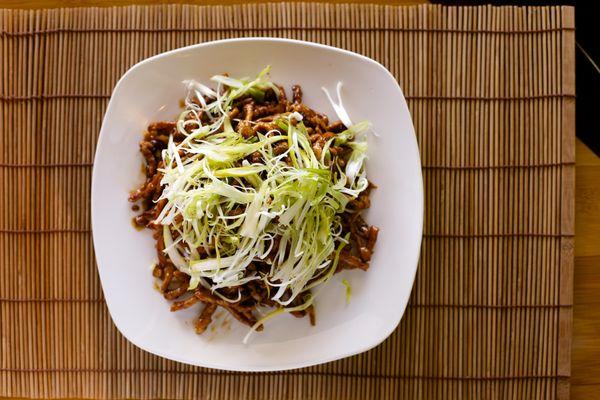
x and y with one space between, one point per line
491 91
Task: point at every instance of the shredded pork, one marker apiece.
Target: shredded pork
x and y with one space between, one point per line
248 117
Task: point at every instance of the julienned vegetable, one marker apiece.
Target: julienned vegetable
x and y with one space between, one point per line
257 194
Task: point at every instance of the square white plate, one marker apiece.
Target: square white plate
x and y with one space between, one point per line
151 91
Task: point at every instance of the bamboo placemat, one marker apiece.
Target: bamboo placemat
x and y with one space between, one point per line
491 91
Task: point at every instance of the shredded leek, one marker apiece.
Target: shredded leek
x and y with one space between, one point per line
217 201
348 290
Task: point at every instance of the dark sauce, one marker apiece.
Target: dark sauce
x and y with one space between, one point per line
135 225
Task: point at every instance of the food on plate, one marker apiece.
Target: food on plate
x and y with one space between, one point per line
254 199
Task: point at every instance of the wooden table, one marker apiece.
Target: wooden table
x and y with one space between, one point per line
585 382
585 367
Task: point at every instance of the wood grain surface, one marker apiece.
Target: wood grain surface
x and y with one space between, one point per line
585 382
585 377
100 3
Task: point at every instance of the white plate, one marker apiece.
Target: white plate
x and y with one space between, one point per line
151 91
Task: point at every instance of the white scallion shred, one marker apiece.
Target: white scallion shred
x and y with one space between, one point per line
207 181
339 106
